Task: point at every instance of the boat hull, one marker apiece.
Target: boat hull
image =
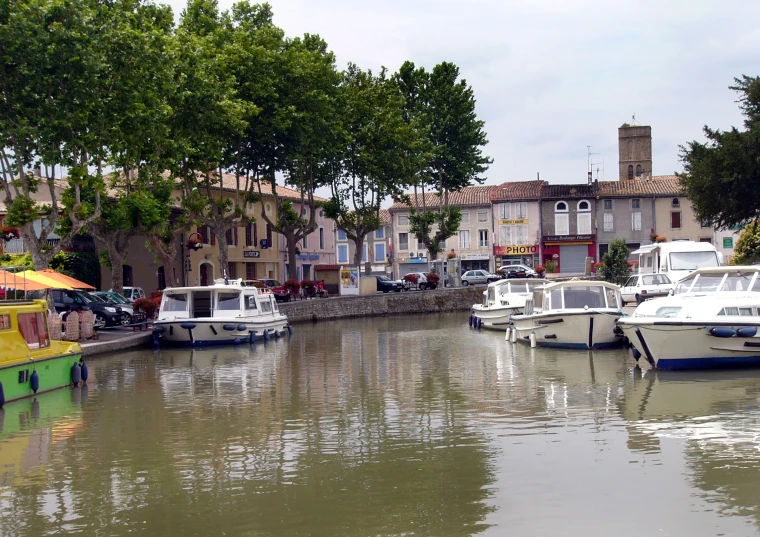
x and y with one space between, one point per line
588 330
203 332
494 318
52 373
690 345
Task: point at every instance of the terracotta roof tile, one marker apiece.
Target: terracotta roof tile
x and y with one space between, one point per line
657 185
567 191
385 216
467 197
517 190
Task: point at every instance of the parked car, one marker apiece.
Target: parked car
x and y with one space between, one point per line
474 277
641 287
132 293
116 299
422 282
105 314
280 291
518 271
385 284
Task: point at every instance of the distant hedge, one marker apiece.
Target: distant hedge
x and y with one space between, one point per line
84 266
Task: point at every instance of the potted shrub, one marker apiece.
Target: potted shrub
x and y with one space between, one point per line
661 239
451 255
411 278
292 286
432 280
541 271
501 273
551 267
148 306
309 288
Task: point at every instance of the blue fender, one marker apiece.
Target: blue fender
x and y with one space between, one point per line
229 327
188 326
85 372
34 381
252 336
721 331
290 330
241 327
2 395
746 331
266 335
76 374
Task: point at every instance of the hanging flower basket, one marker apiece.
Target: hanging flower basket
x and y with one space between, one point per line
194 244
10 233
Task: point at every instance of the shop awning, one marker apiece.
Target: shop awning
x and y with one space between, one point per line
9 280
68 280
47 280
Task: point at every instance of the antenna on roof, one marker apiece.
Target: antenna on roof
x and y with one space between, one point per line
590 169
633 119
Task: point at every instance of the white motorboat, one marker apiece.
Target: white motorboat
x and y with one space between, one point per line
502 299
719 330
218 314
577 314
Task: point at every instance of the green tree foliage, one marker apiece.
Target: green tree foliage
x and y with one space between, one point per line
373 162
615 268
747 249
449 154
722 176
84 266
55 111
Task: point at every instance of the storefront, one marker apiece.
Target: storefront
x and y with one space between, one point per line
475 262
569 252
516 254
411 264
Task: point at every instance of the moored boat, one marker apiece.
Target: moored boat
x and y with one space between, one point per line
576 314
501 300
30 362
222 313
697 332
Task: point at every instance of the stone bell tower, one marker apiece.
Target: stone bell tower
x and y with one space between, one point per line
634 151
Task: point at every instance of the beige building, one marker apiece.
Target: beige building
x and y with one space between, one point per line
674 217
375 249
472 244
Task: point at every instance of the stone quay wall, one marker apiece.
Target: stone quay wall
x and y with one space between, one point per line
381 304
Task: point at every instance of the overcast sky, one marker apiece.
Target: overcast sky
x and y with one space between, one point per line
551 77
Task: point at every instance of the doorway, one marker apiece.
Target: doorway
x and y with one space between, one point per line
207 274
126 276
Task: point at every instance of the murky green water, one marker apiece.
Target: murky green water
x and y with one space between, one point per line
379 427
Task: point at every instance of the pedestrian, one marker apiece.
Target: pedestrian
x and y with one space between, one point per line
65 313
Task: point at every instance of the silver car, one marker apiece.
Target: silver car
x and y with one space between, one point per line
474 277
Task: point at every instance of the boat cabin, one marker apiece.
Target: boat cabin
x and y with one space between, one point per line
573 295
721 280
498 291
221 300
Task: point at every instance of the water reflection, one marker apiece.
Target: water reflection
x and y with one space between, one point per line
390 426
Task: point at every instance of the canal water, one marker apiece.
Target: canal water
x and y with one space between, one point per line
384 427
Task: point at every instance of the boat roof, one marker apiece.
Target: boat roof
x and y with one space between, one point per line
535 281
722 270
220 285
581 283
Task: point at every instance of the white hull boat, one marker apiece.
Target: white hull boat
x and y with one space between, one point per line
501 300
223 313
575 314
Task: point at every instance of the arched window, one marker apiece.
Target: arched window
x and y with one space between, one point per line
584 205
630 172
561 219
560 207
583 218
675 202
638 170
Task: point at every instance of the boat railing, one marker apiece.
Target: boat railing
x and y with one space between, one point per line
528 309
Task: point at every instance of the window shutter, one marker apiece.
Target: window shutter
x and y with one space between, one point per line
269 235
213 238
248 235
200 231
255 234
228 236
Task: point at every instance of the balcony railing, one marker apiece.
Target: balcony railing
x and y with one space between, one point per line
16 246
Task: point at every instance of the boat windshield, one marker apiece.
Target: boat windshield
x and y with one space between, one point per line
737 281
228 302
693 260
532 284
582 296
706 283
175 302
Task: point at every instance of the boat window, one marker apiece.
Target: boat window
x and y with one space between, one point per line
729 310
490 296
533 285
274 305
746 312
250 303
668 311
266 306
580 297
683 286
228 302
706 283
175 303
538 300
33 329
612 301
692 260
555 299
5 322
737 281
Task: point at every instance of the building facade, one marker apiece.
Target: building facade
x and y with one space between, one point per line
517 223
471 246
568 226
317 248
375 249
634 151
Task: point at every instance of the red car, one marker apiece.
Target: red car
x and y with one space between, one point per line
280 293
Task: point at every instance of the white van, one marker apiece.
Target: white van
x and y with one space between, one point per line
677 259
132 293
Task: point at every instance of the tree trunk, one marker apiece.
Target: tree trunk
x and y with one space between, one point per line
116 257
359 244
167 252
292 266
221 241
